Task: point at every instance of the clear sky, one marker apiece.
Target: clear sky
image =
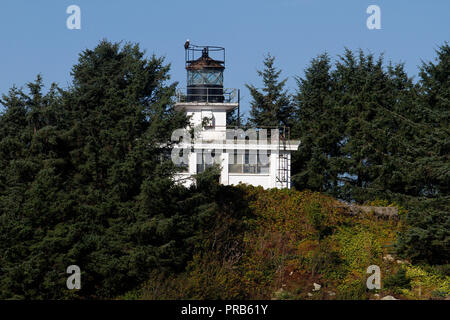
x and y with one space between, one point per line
34 37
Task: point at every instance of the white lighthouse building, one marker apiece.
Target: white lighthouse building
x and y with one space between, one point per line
255 156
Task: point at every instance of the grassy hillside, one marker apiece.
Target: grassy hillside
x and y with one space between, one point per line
289 240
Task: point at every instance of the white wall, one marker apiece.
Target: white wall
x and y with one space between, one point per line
267 181
209 135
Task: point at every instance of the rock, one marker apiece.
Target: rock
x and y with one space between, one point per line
376 295
402 262
310 294
388 298
389 212
388 257
331 293
292 272
353 209
283 285
316 286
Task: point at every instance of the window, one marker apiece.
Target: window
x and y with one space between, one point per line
207 159
245 162
264 166
235 163
199 77
250 163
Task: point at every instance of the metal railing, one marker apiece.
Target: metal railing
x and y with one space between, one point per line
237 132
193 52
207 95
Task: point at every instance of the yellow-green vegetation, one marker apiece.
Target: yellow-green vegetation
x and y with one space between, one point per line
292 240
425 283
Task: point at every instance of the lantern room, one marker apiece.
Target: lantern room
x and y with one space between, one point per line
205 66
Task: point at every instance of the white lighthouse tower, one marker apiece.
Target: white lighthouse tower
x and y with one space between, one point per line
256 156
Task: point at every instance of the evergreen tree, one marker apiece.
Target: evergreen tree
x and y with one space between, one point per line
82 183
369 132
232 118
365 95
356 124
427 238
434 101
319 128
272 105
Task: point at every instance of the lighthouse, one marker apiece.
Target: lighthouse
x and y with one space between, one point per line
255 156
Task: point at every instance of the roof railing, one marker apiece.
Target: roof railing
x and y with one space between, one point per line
207 95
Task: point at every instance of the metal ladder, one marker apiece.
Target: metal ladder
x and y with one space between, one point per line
284 165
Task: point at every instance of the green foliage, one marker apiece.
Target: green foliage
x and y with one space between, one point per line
427 238
359 247
272 105
317 217
425 282
397 281
368 132
81 181
206 277
317 126
352 290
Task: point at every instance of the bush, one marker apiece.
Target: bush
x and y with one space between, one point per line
397 281
352 289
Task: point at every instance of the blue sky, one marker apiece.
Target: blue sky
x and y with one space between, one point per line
35 39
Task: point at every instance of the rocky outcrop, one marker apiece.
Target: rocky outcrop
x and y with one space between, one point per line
354 209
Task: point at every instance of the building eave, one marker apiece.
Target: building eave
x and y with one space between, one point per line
192 106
